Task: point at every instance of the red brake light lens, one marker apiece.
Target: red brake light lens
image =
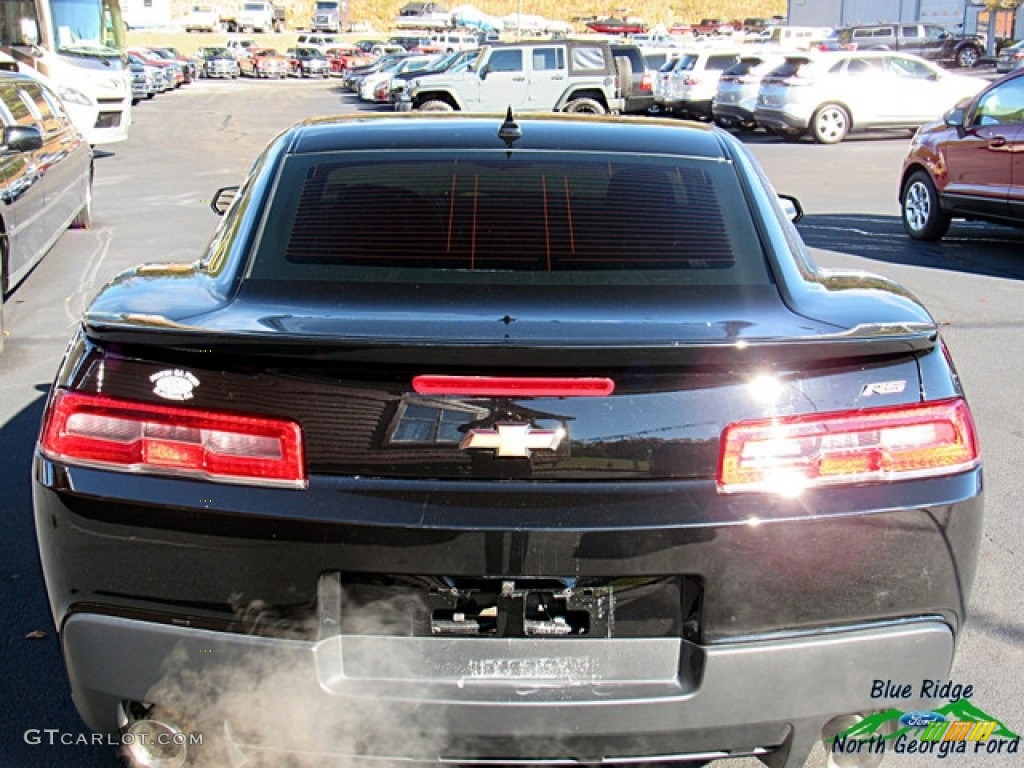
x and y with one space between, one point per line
512 386
128 436
790 454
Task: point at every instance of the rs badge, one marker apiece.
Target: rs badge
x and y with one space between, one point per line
883 388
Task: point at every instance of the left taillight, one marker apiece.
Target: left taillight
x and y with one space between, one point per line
128 436
790 454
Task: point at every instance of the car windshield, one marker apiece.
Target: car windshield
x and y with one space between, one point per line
687 62
495 217
743 67
87 28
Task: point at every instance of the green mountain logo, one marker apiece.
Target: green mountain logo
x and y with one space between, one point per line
887 722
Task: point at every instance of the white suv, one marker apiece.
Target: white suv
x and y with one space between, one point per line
831 94
687 85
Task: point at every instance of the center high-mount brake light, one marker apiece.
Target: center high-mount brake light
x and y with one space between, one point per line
790 454
512 386
105 432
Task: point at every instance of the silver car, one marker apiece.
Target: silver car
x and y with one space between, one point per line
1011 58
831 94
734 102
693 81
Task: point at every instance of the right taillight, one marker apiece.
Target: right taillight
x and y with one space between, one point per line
790 454
129 436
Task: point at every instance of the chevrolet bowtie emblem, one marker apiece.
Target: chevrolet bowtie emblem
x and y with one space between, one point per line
513 440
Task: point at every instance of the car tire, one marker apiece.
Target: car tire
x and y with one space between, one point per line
83 219
585 106
922 214
968 57
830 124
435 105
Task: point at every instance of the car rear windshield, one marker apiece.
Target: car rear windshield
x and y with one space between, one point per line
516 217
791 67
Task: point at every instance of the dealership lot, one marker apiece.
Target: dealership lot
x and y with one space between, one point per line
151 204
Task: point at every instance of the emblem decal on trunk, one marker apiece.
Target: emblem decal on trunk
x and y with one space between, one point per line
174 384
513 440
883 388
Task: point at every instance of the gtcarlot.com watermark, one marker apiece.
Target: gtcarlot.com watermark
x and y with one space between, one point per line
54 737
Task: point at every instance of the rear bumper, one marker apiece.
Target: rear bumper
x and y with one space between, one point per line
735 113
779 120
717 625
469 700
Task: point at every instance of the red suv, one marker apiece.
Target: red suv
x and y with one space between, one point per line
969 165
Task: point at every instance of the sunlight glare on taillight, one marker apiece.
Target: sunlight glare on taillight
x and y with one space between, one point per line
789 454
129 436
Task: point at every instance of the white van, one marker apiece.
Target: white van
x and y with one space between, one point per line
447 42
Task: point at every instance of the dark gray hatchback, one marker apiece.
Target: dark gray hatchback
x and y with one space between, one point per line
477 441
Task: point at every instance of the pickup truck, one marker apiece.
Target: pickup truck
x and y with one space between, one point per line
929 41
203 18
261 16
714 27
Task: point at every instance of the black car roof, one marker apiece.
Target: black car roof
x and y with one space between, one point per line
539 131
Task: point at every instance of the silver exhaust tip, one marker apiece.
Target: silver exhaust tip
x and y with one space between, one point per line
868 755
155 744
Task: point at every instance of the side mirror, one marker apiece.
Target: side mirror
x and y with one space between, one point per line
222 199
484 71
955 118
22 138
791 207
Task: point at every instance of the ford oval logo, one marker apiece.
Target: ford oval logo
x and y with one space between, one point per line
921 719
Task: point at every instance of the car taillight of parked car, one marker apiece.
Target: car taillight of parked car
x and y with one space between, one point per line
793 453
792 81
129 436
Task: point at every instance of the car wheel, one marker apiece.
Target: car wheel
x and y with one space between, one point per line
830 124
967 57
923 217
585 106
436 105
83 220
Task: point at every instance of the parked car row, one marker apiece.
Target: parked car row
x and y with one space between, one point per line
824 94
157 70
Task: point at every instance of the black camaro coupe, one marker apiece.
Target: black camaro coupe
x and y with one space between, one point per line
482 441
